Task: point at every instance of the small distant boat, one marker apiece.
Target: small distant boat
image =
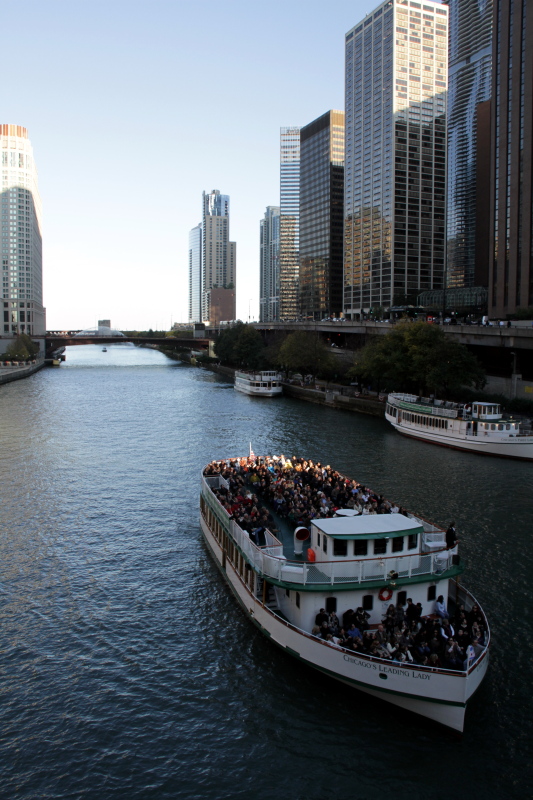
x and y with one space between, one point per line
263 384
104 349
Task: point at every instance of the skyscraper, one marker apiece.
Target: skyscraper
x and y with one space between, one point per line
321 215
218 259
289 222
195 274
395 158
511 206
21 244
269 265
469 83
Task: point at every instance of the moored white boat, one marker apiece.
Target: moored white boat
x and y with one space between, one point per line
477 427
355 561
266 383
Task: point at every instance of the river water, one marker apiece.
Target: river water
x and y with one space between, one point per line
127 670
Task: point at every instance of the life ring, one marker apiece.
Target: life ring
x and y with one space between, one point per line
311 555
385 594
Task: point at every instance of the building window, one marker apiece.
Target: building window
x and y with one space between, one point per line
340 547
331 605
368 602
360 548
380 546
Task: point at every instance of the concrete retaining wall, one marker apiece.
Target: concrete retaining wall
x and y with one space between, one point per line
8 374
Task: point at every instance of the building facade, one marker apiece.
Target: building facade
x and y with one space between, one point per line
21 243
269 265
321 216
469 84
511 207
395 157
289 263
195 274
218 255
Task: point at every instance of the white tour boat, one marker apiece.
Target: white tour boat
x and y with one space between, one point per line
263 384
353 561
478 427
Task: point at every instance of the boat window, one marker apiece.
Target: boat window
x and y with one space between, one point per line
340 547
318 540
325 543
508 427
331 605
360 548
287 592
501 427
412 541
297 599
397 544
432 592
493 427
368 602
402 598
380 546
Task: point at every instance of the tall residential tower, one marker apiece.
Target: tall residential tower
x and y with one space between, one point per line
218 259
269 266
195 274
395 158
289 222
21 244
321 215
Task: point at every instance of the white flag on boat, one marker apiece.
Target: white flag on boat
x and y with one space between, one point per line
252 454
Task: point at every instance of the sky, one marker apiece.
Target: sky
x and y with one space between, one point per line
133 109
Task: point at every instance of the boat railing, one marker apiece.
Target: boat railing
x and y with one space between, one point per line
270 562
409 403
472 662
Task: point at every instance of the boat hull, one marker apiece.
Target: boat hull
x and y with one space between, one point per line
438 695
518 449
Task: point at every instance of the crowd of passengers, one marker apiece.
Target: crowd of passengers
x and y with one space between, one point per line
298 489
405 636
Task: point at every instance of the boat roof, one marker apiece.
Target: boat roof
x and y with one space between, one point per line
369 526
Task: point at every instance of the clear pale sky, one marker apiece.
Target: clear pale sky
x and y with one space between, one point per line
133 108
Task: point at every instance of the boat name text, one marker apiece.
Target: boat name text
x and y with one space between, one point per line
390 670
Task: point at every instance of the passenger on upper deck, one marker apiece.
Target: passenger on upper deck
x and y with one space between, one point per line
451 537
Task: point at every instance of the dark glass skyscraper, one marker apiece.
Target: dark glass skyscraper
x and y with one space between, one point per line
510 264
321 215
469 83
395 159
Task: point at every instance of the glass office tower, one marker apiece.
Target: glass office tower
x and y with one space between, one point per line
289 222
195 274
21 243
511 257
269 265
469 83
395 157
321 215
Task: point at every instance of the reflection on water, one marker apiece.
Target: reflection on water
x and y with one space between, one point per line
127 670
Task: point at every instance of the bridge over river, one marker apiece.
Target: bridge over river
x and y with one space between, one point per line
57 339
